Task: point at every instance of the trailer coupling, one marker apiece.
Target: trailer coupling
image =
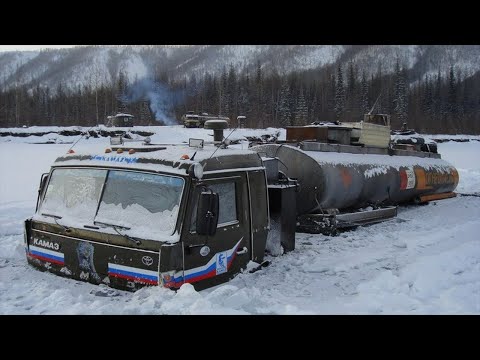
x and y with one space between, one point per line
328 223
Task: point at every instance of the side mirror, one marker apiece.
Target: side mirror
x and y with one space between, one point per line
207 213
41 188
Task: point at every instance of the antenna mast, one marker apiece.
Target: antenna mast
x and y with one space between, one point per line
373 107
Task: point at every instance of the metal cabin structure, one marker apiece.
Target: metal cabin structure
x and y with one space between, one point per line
192 120
120 120
151 215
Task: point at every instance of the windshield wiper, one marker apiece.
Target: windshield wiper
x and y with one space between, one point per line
55 218
116 227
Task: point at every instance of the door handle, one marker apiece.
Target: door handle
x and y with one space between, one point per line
243 251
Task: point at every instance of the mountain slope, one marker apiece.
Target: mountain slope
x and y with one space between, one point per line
97 65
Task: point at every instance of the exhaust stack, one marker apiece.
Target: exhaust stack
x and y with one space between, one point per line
217 126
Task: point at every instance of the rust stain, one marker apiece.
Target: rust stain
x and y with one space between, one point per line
403 180
346 177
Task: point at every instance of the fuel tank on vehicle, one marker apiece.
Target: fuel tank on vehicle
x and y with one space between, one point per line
347 180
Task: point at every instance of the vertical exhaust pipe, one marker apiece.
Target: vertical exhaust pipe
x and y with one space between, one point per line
217 126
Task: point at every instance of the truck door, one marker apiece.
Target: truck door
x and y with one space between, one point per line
211 260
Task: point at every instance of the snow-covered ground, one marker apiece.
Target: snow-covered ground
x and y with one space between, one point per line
425 261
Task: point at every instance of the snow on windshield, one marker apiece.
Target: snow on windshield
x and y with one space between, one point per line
147 204
73 194
141 201
143 223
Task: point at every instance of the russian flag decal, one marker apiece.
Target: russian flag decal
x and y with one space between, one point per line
133 274
46 255
220 263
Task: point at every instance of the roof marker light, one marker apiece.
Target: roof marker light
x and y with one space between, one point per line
131 151
119 151
71 151
108 150
185 157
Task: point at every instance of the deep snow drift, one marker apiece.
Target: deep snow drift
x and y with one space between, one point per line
425 261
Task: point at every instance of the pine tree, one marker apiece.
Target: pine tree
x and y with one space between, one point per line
364 101
259 96
339 94
248 111
352 96
121 95
243 101
331 90
292 103
301 113
193 92
232 92
437 96
211 95
352 83
400 95
427 103
312 100
224 96
17 99
145 115
284 115
452 92
46 105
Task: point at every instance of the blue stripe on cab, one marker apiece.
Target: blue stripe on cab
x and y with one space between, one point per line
200 273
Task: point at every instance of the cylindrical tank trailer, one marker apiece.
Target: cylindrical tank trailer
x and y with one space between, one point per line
335 180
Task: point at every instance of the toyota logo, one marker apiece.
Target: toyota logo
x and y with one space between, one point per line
147 260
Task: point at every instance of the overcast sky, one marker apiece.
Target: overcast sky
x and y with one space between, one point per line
31 47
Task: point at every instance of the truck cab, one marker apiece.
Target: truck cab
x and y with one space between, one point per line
120 120
163 216
190 120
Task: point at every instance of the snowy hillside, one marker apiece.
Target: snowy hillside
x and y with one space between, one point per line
97 65
425 261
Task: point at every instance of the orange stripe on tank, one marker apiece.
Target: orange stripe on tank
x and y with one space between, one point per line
431 197
421 180
456 177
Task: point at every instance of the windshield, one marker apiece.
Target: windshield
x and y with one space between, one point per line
73 194
146 204
143 201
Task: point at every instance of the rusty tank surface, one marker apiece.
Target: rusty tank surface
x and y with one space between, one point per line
345 180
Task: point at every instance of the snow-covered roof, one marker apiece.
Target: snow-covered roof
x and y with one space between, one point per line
123 115
167 160
217 121
377 163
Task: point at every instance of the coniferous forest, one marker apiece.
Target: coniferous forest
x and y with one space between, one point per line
445 102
